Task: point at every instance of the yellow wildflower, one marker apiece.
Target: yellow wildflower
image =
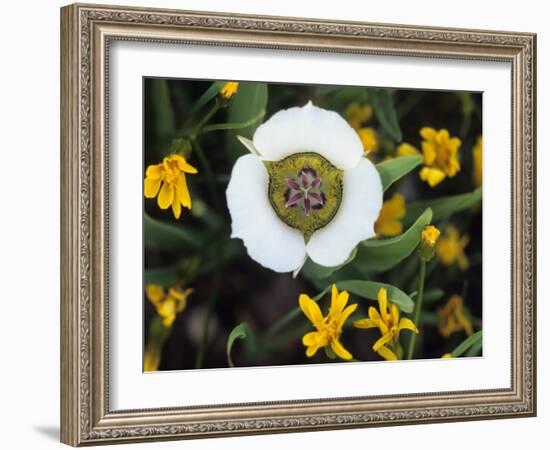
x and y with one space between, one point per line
357 115
167 304
369 139
168 177
387 320
452 317
450 248
229 89
446 356
430 234
329 328
151 359
388 222
477 153
440 155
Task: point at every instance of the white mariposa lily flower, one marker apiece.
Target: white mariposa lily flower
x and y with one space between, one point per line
306 190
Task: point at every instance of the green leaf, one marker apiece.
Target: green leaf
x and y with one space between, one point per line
165 276
384 109
168 236
235 126
444 206
162 106
208 95
379 255
313 270
475 349
369 290
470 341
249 101
394 169
241 331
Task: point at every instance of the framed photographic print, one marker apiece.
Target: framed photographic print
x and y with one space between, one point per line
277 225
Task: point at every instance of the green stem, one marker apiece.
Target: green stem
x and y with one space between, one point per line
212 301
199 126
210 177
417 306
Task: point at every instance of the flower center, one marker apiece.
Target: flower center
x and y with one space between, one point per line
305 190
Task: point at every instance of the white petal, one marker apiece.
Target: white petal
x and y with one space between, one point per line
361 203
268 240
309 128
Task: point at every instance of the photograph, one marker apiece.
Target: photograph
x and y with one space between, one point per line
294 224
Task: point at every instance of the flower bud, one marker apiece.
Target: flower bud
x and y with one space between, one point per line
427 243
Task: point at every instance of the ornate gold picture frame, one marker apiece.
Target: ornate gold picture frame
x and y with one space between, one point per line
87 32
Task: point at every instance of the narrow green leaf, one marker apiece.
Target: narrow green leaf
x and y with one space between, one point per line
384 109
249 145
379 255
249 101
208 95
394 169
444 206
241 331
467 343
163 113
369 290
168 236
475 349
235 126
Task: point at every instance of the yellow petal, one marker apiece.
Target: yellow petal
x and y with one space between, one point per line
155 293
339 349
454 144
383 302
382 341
310 351
345 314
151 187
365 323
407 324
311 338
443 136
176 208
374 315
154 172
432 176
387 354
405 149
394 314
430 153
338 302
388 227
428 133
311 309
395 207
182 192
166 196
184 166
168 313
369 139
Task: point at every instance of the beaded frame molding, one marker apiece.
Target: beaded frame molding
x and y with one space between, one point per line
86 33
